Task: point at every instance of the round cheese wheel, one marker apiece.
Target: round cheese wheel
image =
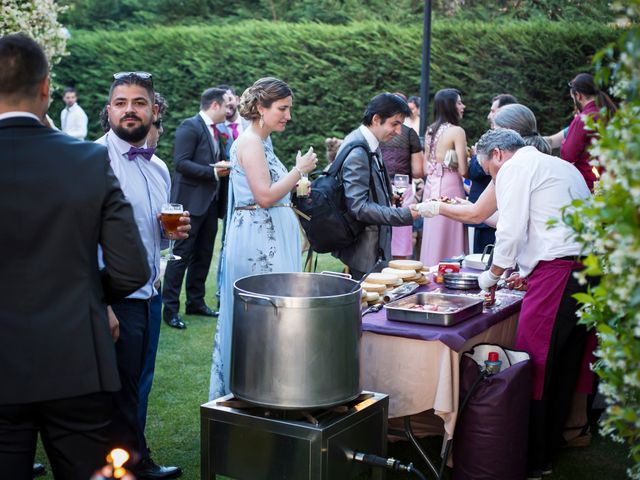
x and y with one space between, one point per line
374 287
373 297
382 278
403 274
416 277
406 264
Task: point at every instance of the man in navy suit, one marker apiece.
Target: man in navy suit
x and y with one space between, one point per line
200 184
58 363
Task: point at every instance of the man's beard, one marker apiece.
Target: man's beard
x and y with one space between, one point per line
134 135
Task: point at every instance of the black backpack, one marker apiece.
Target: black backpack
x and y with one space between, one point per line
330 226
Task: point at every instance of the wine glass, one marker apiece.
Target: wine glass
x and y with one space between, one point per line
170 214
400 186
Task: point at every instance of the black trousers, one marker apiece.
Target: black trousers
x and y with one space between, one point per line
74 432
548 415
131 349
196 252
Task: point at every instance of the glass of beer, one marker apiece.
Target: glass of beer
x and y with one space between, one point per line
170 218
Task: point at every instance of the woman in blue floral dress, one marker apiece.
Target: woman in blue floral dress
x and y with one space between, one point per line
263 234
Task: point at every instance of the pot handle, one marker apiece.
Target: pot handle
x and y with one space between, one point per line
246 296
488 250
336 274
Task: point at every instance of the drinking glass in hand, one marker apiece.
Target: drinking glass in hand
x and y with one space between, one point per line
170 218
400 185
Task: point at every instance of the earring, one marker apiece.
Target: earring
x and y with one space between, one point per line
261 122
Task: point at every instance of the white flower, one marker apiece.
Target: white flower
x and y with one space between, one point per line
39 20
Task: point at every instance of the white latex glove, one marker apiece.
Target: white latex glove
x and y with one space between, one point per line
487 279
428 209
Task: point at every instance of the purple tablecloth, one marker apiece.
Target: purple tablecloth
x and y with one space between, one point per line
454 336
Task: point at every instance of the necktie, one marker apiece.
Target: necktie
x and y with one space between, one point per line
385 177
215 131
147 153
234 130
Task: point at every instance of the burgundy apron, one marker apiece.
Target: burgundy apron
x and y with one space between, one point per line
545 287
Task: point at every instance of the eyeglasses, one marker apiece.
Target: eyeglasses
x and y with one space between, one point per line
146 76
570 85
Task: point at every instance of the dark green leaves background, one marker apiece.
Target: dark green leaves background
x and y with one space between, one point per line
335 69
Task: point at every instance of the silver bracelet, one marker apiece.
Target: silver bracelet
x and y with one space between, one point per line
295 167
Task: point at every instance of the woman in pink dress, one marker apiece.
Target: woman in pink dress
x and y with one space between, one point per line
443 237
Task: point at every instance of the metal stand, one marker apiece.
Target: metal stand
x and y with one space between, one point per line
408 431
407 434
240 440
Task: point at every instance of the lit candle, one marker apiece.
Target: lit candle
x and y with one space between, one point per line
114 468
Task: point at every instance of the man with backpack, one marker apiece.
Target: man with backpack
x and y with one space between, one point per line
367 187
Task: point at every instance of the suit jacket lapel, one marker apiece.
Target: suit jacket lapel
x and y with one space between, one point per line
225 148
375 168
384 177
207 131
381 173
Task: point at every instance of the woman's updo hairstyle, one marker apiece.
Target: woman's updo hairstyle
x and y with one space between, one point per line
263 92
521 119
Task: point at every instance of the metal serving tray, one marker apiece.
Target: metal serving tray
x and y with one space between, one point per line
464 307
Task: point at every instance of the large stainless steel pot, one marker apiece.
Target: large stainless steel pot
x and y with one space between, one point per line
296 340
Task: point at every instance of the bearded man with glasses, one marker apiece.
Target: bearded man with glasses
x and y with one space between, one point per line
145 180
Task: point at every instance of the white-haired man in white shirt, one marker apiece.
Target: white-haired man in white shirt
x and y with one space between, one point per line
532 188
73 120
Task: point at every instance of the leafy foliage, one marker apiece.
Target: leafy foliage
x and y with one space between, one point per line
334 70
39 20
608 226
535 9
91 14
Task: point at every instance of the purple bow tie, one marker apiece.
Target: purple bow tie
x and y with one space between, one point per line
147 153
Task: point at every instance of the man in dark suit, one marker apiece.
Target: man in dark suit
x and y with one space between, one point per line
56 343
200 185
367 186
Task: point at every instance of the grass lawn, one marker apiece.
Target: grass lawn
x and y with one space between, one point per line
181 385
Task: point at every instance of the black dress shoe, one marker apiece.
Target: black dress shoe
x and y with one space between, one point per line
175 321
203 311
148 469
38 469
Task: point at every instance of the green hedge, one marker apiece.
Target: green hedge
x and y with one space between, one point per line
335 70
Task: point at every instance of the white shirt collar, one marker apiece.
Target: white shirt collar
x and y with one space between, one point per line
17 114
206 118
370 138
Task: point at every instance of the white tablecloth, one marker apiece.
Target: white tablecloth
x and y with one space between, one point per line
422 375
